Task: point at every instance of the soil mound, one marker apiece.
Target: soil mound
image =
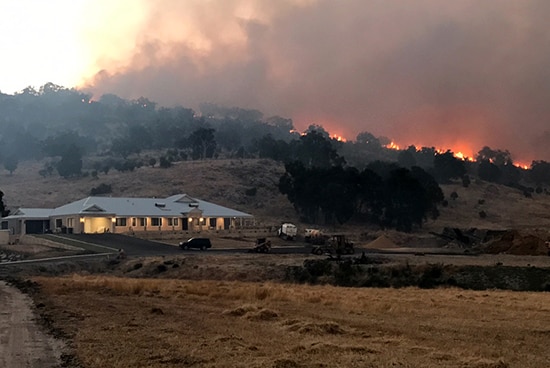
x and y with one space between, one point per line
513 242
382 242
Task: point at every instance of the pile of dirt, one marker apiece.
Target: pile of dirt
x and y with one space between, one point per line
382 242
513 242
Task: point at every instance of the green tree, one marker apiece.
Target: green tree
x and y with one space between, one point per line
488 171
203 144
368 139
540 172
406 201
164 162
271 148
10 163
406 159
497 157
314 149
447 167
301 186
3 211
70 164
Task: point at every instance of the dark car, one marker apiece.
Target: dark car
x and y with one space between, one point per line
199 243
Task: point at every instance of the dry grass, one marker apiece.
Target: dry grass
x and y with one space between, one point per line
118 322
506 208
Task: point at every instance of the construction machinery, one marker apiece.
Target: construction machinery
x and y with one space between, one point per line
315 237
287 231
262 245
335 245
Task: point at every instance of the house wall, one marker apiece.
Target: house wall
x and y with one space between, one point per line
14 226
90 224
133 224
66 224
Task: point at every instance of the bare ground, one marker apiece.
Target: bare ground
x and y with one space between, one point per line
23 341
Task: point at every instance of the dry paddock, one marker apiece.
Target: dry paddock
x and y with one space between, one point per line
120 322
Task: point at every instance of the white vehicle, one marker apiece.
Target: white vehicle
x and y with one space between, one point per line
287 231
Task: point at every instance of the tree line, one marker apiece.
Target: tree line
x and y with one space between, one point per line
323 189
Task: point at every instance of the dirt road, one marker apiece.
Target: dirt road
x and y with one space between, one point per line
23 344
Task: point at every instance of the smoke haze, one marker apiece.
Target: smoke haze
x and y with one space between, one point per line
457 75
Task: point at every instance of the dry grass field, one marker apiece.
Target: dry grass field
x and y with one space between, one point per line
231 311
118 322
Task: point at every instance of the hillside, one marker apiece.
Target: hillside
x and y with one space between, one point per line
251 186
224 182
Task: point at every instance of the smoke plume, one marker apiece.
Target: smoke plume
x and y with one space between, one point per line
458 75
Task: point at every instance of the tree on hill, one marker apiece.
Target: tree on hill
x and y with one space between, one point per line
405 201
277 150
10 163
447 167
488 171
497 157
406 158
402 199
164 162
202 143
540 172
3 211
71 162
315 149
301 186
338 192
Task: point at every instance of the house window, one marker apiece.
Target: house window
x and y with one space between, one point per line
213 222
70 222
173 221
58 223
120 221
133 221
156 221
142 221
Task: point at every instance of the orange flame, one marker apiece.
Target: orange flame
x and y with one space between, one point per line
392 145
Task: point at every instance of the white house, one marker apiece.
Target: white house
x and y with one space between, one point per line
124 215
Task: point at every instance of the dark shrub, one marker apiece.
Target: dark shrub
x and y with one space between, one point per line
251 192
161 268
101 189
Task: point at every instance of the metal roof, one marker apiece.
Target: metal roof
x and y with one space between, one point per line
31 214
173 206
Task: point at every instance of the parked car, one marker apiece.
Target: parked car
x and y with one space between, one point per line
199 243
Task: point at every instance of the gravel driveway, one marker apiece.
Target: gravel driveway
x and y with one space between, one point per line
23 343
